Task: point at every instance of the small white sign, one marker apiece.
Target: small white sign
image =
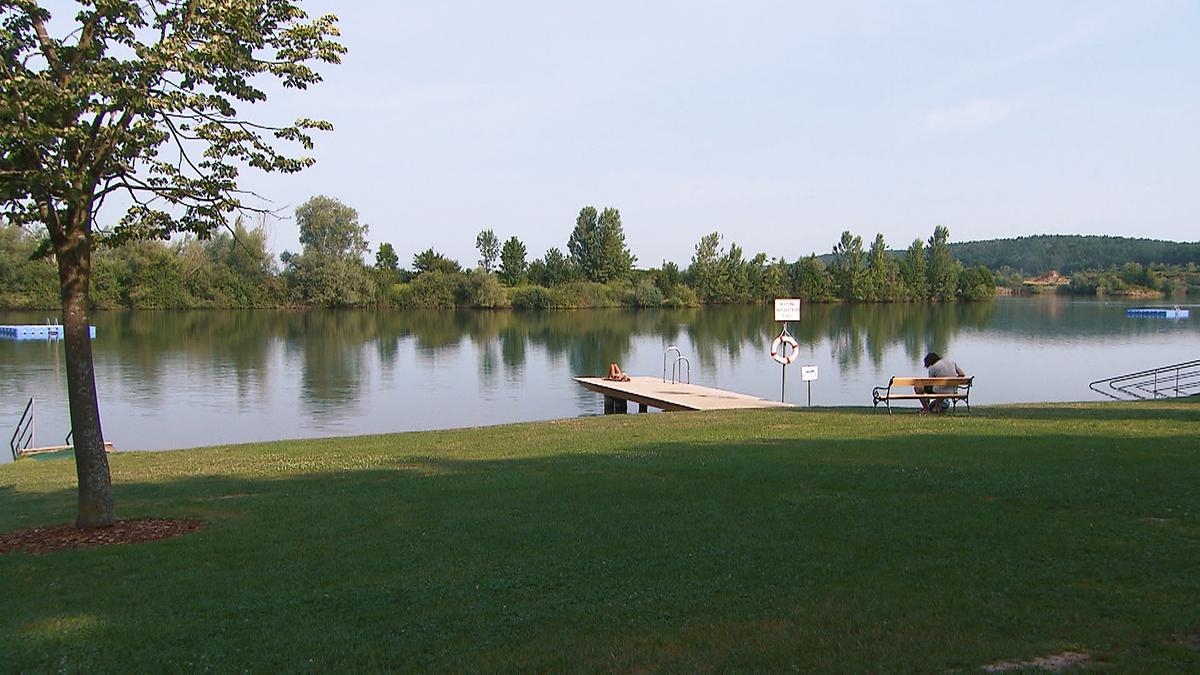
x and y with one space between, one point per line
787 309
808 373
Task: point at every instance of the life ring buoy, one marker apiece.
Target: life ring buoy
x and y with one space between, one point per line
780 354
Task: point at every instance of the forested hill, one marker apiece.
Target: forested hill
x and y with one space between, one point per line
1072 253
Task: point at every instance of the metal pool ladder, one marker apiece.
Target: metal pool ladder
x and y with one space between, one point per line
22 438
1173 381
677 366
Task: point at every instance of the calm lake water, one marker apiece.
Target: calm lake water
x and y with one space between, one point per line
184 379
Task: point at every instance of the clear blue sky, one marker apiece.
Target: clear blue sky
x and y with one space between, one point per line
778 124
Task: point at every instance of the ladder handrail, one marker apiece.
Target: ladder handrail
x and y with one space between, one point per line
678 353
676 371
20 439
1131 383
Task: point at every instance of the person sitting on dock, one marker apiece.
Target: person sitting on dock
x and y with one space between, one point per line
938 367
615 374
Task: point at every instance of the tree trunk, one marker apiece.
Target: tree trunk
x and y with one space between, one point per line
91 464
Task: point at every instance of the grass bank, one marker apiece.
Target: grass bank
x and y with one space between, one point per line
827 540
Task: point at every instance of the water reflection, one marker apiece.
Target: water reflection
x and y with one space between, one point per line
245 375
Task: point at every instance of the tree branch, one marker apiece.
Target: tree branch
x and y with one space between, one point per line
44 39
85 40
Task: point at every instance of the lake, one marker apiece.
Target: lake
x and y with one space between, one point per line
178 379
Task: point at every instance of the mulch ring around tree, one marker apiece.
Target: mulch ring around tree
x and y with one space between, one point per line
42 540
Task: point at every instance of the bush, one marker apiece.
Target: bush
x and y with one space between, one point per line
157 281
107 289
484 290
976 283
647 295
398 295
435 290
532 297
588 294
681 296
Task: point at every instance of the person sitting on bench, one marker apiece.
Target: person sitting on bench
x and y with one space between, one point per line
938 367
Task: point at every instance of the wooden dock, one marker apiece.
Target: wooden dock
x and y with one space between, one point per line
51 449
653 392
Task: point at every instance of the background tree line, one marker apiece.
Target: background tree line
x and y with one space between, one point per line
235 268
1069 254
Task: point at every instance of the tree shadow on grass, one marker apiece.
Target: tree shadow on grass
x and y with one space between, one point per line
940 551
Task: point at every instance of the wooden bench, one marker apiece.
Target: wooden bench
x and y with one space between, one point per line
903 389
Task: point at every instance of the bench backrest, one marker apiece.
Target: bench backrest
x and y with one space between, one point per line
931 382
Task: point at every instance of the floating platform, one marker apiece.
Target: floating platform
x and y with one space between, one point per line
1158 312
49 331
653 392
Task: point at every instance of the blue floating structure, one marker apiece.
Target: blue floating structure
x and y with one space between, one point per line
50 331
1158 312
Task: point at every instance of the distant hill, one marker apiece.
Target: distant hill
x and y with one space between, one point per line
1068 253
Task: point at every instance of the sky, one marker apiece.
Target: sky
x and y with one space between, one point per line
778 124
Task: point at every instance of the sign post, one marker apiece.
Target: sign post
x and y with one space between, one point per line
786 309
808 374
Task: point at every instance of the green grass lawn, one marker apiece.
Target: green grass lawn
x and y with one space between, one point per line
765 540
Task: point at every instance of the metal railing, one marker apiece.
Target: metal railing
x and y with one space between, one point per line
22 438
677 370
670 349
1173 381
677 366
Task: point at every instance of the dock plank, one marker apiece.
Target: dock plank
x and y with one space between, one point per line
675 396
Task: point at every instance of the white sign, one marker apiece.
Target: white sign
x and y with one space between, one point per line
808 372
787 309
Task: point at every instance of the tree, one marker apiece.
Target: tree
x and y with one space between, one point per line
386 272
430 260
140 99
512 262
617 260
810 280
705 274
584 244
558 268
916 280
774 282
330 272
849 275
535 272
668 277
330 228
738 286
941 268
883 273
976 283
489 249
240 269
597 246
756 270
386 259
25 283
